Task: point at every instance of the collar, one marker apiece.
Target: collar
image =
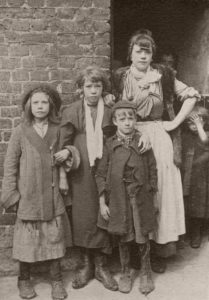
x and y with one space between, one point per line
125 139
151 76
132 141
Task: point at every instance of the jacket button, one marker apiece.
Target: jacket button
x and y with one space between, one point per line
53 184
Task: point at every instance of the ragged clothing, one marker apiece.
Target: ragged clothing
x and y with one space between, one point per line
195 175
123 174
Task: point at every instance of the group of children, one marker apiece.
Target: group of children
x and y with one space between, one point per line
91 166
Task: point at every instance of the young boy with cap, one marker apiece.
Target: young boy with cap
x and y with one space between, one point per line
127 182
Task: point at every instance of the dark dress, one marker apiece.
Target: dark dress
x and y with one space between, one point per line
195 173
85 201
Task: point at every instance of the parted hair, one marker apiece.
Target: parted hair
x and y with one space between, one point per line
54 103
143 38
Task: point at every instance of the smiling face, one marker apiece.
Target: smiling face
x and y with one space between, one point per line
125 120
92 91
141 57
40 106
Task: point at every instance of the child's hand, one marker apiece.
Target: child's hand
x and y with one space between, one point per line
144 143
62 155
104 210
63 185
196 119
109 100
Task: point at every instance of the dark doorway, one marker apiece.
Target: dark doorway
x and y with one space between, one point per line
180 26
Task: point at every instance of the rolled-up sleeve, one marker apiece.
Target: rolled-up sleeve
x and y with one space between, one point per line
184 92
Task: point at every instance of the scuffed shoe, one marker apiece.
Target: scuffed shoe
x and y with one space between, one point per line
146 284
58 290
196 241
26 290
158 264
125 282
103 274
82 277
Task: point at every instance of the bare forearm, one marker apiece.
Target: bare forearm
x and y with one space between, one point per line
202 134
102 199
186 109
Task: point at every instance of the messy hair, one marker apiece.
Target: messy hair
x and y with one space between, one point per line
54 103
93 74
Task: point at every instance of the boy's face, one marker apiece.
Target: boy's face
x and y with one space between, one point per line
125 120
92 91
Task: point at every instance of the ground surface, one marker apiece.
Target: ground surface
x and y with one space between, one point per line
186 278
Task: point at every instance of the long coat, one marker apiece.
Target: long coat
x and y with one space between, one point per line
111 181
195 175
30 179
85 201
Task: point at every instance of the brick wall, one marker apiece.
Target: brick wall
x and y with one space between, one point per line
44 41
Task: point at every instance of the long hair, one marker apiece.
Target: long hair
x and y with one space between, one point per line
54 103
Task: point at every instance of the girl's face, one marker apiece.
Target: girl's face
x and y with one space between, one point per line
125 120
40 106
192 126
141 58
92 91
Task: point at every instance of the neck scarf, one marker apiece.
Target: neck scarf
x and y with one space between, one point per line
125 139
145 79
94 135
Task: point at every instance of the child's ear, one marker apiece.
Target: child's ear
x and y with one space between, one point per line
114 121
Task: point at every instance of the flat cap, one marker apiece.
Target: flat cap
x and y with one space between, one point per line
123 104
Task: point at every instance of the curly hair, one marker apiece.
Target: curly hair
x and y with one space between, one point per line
94 74
54 102
143 38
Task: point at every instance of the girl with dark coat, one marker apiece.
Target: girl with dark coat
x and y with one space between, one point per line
31 186
84 124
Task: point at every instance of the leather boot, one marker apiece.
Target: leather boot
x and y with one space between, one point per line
196 237
125 281
58 291
85 273
26 290
158 264
146 282
102 273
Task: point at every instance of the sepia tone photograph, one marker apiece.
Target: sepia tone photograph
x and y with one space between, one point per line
104 149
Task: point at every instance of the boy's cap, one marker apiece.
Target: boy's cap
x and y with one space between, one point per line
124 104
